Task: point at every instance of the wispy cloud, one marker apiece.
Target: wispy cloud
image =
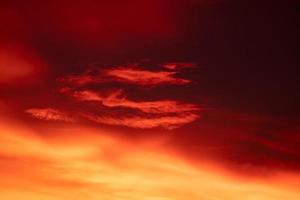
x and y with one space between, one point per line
117 99
144 77
178 65
113 107
167 122
165 114
49 114
131 74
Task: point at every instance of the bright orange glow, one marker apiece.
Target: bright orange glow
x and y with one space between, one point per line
85 163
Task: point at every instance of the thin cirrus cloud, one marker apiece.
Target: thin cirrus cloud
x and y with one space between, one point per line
130 74
147 114
167 122
49 114
144 77
117 99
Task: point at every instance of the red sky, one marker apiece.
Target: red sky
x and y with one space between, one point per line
164 100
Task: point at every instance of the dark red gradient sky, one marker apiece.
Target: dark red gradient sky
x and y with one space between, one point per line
245 84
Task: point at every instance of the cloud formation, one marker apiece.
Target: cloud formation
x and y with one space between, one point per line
128 74
144 77
49 114
113 107
117 99
167 122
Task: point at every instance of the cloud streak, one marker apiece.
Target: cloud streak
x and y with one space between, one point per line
130 74
49 114
147 114
144 77
167 122
117 99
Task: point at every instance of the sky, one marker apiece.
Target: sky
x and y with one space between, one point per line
154 100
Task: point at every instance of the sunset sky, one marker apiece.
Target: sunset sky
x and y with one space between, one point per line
149 100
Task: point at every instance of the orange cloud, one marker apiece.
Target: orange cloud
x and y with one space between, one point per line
129 74
167 114
144 77
49 114
117 99
167 122
84 163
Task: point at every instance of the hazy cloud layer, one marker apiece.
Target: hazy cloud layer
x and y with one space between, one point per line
84 163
